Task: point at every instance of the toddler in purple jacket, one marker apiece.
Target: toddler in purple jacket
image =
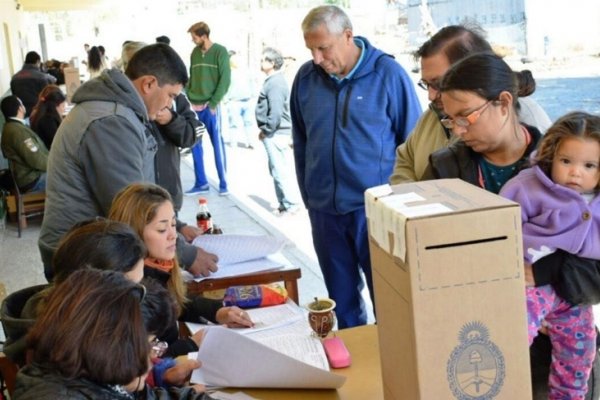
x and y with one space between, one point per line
560 208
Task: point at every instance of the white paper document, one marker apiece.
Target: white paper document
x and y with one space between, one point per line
241 254
294 340
269 263
265 318
233 360
273 317
233 249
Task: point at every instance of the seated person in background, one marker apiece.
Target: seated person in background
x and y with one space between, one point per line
443 49
148 208
48 113
92 343
23 147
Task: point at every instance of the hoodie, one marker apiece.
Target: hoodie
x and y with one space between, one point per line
345 134
102 146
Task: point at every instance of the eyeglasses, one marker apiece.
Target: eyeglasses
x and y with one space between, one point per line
423 84
158 348
467 120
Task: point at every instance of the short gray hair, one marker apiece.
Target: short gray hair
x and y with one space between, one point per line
274 56
334 18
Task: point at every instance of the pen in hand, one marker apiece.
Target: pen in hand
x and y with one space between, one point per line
205 321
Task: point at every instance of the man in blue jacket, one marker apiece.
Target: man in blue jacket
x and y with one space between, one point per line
351 106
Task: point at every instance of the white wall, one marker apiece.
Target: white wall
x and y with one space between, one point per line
11 46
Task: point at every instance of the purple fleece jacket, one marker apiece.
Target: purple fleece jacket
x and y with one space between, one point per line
554 216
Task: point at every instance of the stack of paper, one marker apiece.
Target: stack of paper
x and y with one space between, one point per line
280 352
241 254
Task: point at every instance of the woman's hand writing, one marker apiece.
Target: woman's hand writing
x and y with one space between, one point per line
234 317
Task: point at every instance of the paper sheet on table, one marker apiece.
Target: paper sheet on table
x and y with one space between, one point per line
264 318
237 248
233 360
273 317
268 263
295 340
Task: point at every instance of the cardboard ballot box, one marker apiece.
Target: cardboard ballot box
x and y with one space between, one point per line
449 292
72 81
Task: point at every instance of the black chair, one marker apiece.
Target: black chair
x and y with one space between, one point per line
15 328
8 374
27 204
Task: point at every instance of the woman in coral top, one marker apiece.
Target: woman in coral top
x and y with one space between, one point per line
148 208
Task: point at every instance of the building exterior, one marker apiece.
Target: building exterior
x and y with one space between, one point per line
527 28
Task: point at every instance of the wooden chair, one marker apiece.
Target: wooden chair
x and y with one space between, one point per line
26 204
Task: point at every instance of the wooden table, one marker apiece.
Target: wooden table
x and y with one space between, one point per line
363 377
288 275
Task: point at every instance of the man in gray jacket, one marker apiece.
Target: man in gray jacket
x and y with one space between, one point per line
273 120
103 145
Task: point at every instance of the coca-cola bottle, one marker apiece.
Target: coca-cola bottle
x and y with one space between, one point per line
203 218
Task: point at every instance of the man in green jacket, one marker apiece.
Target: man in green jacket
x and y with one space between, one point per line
210 76
23 147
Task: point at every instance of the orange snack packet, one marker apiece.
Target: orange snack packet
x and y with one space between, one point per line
255 295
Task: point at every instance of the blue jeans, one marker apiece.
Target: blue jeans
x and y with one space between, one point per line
212 127
342 246
241 118
278 151
40 185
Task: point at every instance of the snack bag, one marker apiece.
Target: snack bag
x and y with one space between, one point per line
255 295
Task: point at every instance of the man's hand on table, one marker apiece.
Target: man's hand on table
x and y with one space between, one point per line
204 263
190 232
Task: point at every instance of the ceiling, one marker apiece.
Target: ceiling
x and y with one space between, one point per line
62 5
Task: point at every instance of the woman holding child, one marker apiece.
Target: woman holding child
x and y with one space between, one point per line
479 94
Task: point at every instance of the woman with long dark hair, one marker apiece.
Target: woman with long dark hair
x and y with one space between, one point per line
95 62
48 113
